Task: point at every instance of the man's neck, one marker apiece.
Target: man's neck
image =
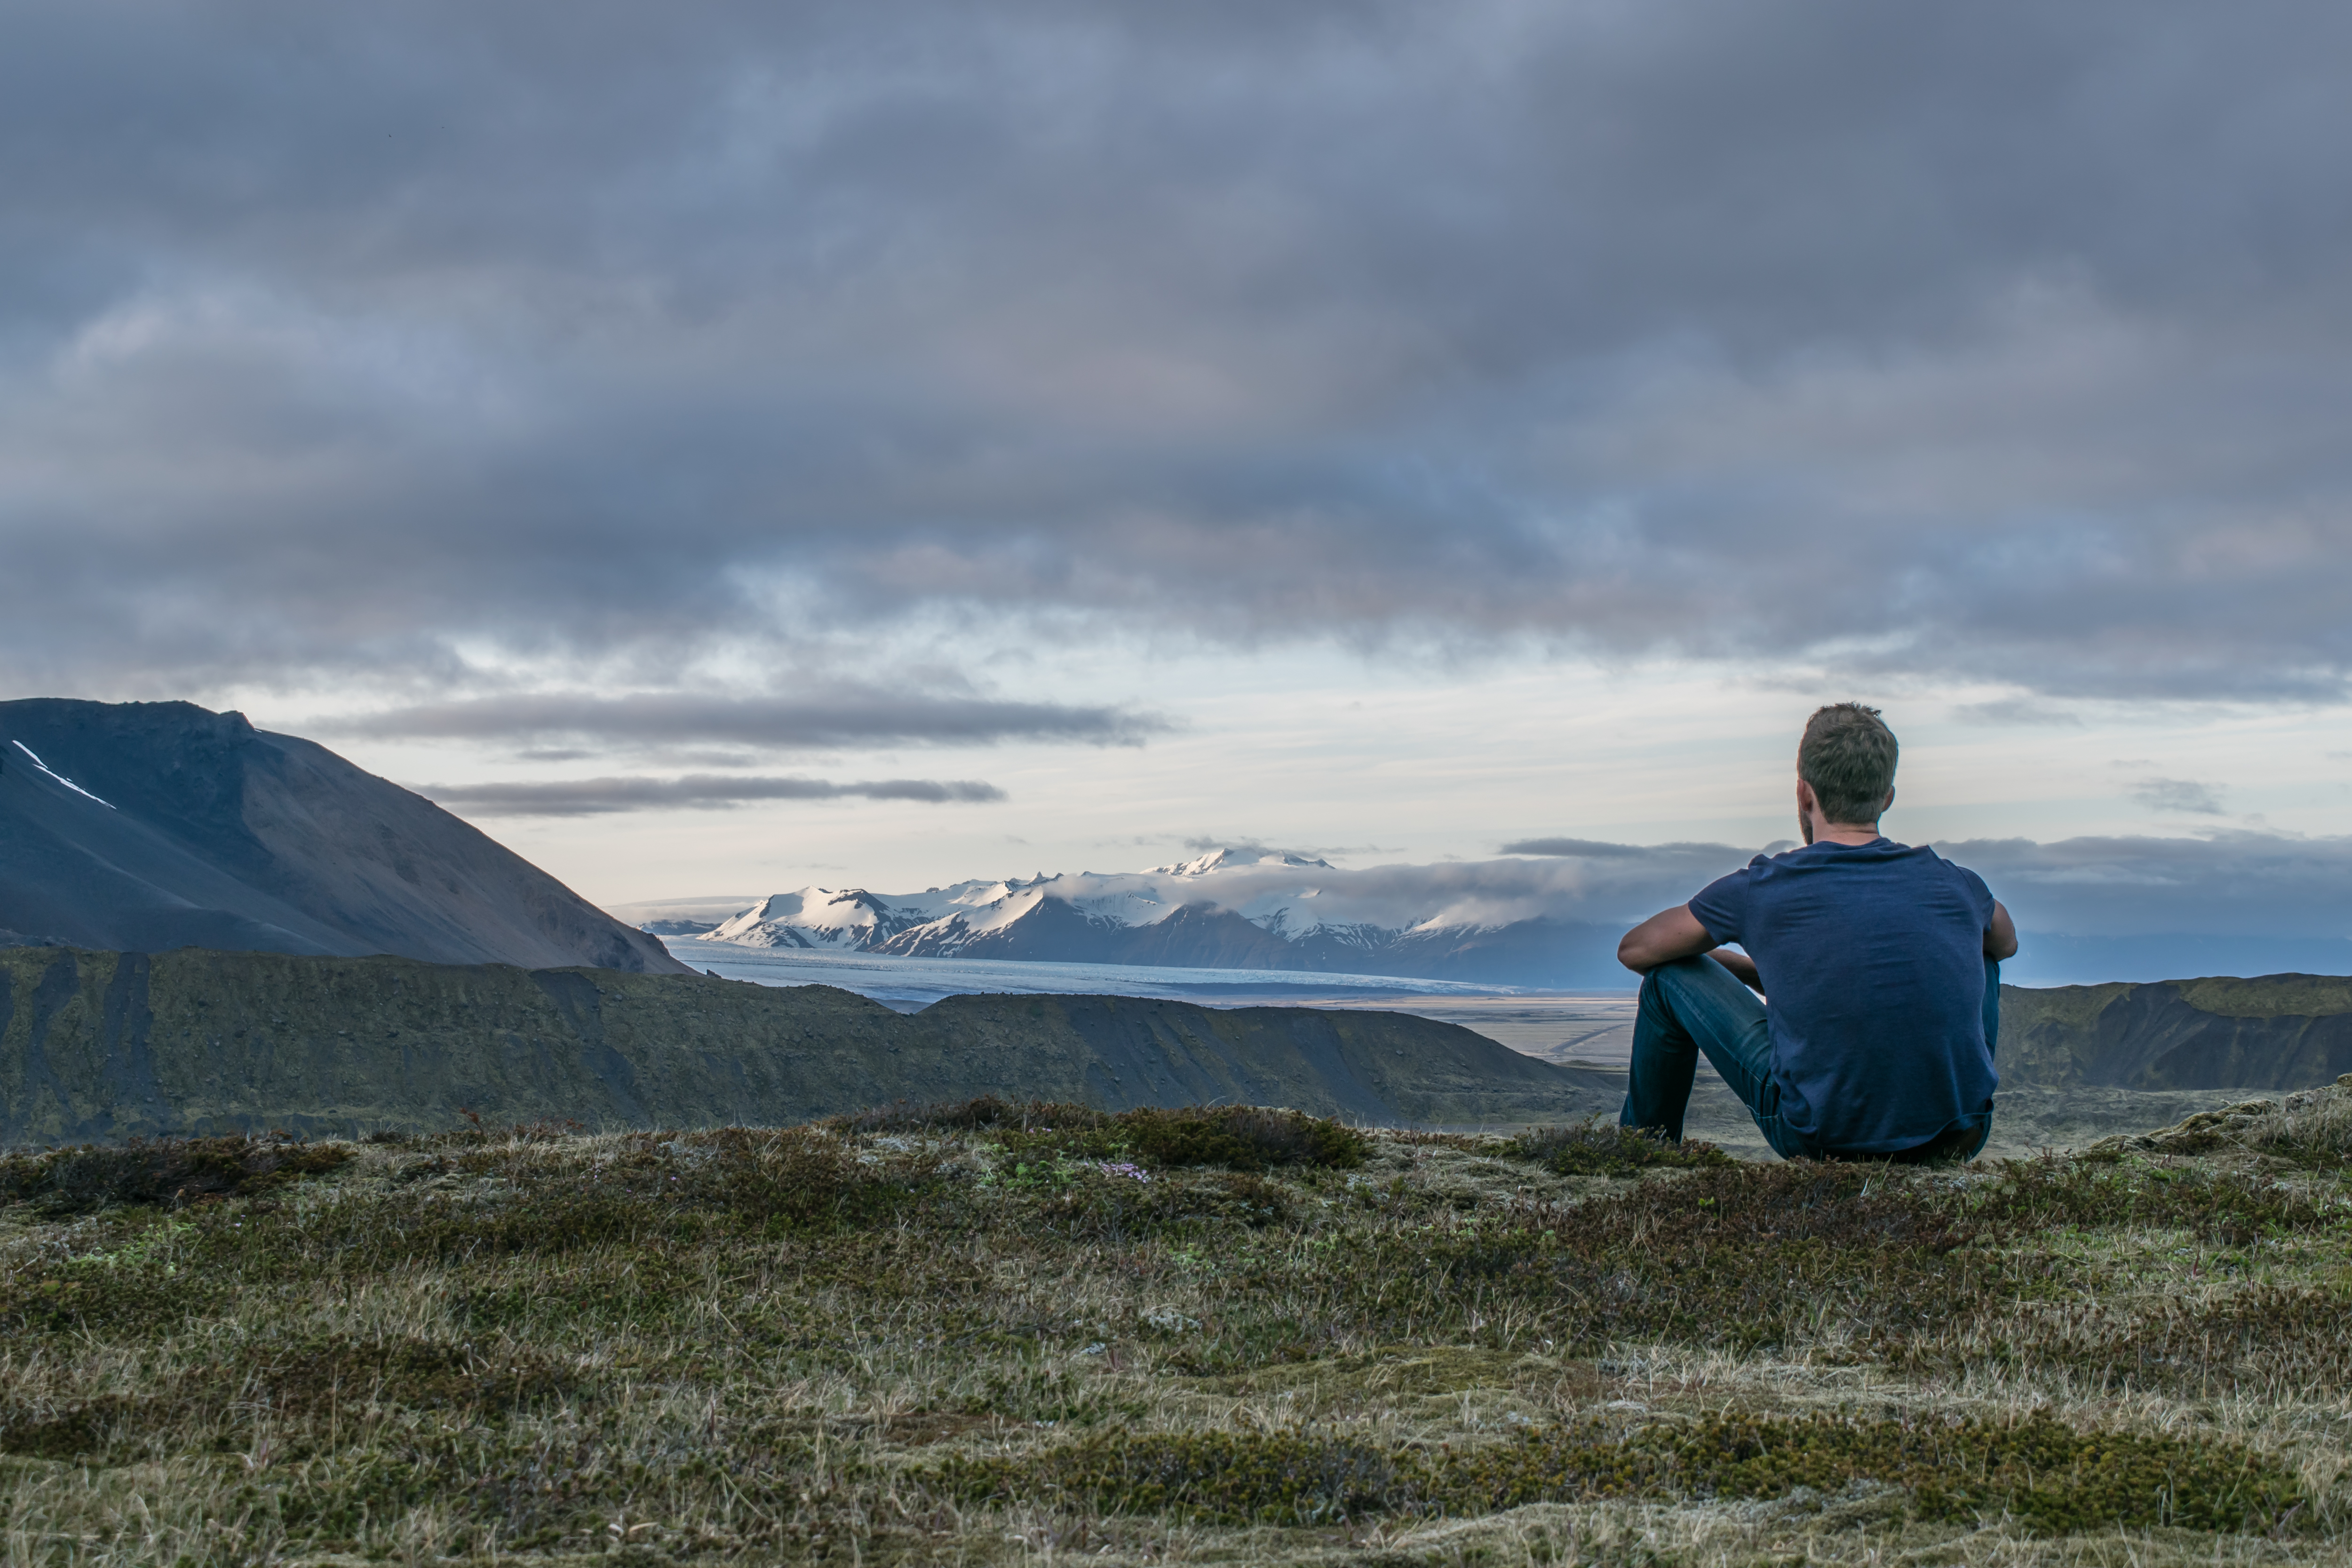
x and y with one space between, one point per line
1842 832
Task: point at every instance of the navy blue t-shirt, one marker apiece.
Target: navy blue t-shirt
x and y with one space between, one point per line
1872 959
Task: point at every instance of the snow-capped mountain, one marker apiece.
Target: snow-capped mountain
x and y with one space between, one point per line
1227 909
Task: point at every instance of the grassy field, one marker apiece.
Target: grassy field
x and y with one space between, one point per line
994 1334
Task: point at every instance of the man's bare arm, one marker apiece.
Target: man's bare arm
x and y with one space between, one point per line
1665 936
1676 934
2001 937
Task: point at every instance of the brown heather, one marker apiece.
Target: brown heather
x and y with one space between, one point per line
991 1332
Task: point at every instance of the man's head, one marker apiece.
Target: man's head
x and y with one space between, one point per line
1847 758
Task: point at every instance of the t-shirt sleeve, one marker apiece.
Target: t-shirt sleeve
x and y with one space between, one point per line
1979 894
1722 907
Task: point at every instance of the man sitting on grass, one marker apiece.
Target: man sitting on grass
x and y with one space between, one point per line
1882 963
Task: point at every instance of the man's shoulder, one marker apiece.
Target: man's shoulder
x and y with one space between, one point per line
1925 859
1879 861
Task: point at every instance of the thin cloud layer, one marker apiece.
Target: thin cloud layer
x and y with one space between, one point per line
698 792
2182 795
2003 337
1579 849
843 717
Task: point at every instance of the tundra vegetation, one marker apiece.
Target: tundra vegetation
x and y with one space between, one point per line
992 1333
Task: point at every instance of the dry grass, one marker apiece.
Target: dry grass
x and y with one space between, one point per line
2315 1125
920 1338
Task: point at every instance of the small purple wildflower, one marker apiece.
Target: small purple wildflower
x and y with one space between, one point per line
1124 1168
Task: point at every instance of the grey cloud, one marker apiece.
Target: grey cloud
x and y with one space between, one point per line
2179 794
361 342
843 717
701 792
2231 883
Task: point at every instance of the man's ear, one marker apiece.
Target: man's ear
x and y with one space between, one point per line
1806 802
1888 804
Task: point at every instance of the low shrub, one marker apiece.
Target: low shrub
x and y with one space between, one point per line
2267 1339
167 1170
85 1297
1592 1148
793 1175
2313 1128
987 1113
1279 1478
303 1381
655 1189
2225 1206
1239 1137
2051 1477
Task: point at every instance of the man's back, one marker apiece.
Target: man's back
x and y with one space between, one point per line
1882 966
1873 959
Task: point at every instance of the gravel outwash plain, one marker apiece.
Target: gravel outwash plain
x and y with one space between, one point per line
995 1333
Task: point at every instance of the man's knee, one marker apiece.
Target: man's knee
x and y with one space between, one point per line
1653 999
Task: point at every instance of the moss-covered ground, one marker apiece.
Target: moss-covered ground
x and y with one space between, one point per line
994 1334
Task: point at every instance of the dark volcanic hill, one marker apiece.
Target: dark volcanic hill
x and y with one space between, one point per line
105 1045
2276 1031
146 827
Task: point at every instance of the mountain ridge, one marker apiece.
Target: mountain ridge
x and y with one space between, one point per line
148 826
1223 910
2272 1031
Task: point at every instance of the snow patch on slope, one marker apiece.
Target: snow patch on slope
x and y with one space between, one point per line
59 777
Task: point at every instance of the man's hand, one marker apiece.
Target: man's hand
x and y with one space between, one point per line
2001 937
1665 936
1743 968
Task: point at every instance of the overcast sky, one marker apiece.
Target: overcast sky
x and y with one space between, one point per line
891 443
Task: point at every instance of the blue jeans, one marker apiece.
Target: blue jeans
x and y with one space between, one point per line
1695 1004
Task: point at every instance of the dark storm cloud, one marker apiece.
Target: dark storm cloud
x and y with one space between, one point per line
702 792
1885 337
841 717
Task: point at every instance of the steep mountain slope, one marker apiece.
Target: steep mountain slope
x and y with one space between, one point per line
2279 1031
1223 910
152 826
116 1044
